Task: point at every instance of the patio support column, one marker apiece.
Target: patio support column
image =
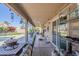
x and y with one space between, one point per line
26 31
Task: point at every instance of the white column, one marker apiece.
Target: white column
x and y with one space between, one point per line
26 31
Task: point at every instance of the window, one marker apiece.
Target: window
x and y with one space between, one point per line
74 28
74 33
72 14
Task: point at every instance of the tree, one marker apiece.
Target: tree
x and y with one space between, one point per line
2 29
11 29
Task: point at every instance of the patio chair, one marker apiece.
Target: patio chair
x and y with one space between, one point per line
4 45
26 51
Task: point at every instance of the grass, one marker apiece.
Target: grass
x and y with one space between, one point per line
14 34
11 33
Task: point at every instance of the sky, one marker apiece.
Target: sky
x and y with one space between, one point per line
5 15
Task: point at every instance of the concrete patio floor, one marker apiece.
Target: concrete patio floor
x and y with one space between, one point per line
41 48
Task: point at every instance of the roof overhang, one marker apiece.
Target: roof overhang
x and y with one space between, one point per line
37 13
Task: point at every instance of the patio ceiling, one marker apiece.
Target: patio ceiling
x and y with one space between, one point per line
40 13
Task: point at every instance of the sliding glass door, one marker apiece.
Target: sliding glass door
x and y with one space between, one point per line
54 32
62 33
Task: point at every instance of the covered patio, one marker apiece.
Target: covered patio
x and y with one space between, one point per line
48 29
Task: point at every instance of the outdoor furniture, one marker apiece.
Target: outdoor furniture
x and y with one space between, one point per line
11 43
27 51
13 52
72 41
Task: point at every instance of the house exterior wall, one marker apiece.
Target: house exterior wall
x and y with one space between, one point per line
49 34
49 23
